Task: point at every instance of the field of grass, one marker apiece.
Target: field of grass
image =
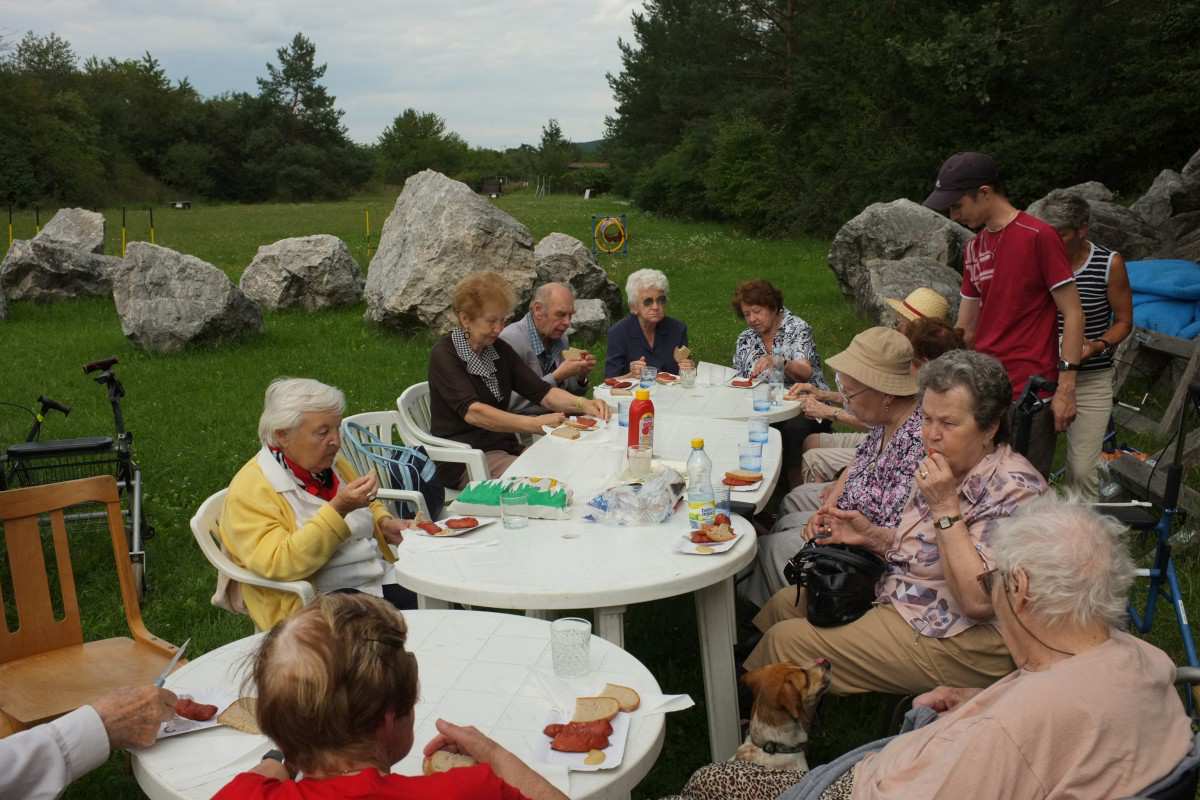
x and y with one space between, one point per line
195 413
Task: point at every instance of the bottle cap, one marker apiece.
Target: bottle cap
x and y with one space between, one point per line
641 394
697 444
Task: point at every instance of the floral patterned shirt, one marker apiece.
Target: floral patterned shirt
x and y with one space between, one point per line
915 582
879 483
793 340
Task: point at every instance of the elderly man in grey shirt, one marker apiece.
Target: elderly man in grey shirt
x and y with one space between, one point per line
540 337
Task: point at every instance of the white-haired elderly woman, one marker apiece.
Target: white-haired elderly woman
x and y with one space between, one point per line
647 337
1089 711
931 622
297 511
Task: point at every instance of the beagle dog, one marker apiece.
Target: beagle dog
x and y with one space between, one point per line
785 702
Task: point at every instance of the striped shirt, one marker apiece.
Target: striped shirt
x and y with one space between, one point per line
1092 280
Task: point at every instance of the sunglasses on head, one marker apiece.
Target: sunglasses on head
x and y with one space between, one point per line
650 301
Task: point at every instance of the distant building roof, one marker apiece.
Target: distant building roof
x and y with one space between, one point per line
588 165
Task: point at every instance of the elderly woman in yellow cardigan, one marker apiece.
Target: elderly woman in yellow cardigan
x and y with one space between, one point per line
296 511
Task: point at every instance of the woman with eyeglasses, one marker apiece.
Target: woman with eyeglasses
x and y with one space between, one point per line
878 387
647 337
932 623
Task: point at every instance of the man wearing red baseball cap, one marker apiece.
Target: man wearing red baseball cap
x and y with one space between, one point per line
1016 278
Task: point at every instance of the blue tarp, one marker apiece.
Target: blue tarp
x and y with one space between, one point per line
1166 296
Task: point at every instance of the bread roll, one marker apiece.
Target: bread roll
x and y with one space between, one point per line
628 698
444 761
589 709
566 432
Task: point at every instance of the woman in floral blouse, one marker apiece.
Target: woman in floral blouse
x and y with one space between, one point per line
777 338
933 622
875 372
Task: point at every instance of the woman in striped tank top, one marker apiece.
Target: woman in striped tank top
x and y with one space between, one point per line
1108 318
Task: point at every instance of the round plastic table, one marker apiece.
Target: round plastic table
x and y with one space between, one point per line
476 668
712 398
569 564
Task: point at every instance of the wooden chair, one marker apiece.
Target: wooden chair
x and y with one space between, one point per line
46 668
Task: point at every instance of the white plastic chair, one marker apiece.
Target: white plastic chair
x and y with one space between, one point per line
413 407
380 424
204 528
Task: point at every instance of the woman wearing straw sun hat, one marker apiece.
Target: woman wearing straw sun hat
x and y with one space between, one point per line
922 303
874 375
932 622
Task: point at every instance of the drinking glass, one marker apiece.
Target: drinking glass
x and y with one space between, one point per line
762 396
721 499
514 510
750 457
687 377
623 412
570 638
777 388
639 461
758 427
649 374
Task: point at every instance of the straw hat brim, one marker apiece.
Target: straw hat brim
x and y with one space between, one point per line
871 375
899 307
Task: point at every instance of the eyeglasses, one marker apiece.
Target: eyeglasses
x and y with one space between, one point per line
847 396
986 580
650 301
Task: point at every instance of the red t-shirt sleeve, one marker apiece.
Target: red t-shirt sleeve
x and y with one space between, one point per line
1052 257
968 286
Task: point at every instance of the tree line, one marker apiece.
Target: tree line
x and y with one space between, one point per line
795 114
107 130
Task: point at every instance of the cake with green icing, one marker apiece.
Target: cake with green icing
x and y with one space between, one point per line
546 498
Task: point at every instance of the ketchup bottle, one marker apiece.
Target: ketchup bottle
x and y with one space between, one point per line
641 419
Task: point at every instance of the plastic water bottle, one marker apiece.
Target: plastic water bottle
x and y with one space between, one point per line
701 502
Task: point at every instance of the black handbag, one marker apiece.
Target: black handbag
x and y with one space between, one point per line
839 580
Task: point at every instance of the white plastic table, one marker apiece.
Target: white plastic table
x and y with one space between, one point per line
476 668
710 398
604 568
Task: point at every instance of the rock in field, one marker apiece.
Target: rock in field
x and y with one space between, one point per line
167 300
565 259
1114 226
311 272
895 278
892 232
438 232
39 269
75 227
590 323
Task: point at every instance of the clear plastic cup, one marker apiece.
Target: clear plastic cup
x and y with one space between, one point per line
687 377
750 457
570 642
762 396
758 429
623 411
721 498
514 511
638 457
649 375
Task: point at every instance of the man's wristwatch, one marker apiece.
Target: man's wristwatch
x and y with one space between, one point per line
1106 346
1066 366
274 755
945 523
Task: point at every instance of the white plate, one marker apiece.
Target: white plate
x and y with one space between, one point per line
752 487
753 382
574 761
691 548
213 697
450 533
658 379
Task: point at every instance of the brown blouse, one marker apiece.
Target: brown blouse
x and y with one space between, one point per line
452 390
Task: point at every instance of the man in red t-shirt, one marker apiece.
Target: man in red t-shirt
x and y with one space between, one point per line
1016 280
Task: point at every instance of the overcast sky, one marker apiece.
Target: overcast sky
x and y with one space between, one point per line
495 71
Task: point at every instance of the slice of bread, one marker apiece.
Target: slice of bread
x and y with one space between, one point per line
573 354
628 698
590 709
682 353
444 761
566 432
240 716
743 475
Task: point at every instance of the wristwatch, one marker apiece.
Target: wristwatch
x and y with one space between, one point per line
274 755
945 523
1108 346
1066 366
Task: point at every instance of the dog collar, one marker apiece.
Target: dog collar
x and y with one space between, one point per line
772 748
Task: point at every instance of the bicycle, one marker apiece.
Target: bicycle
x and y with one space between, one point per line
35 462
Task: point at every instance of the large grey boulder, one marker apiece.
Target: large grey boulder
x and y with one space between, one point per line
311 272
1114 226
590 323
75 227
564 259
39 269
3 306
1192 168
895 278
438 232
1169 195
892 231
167 300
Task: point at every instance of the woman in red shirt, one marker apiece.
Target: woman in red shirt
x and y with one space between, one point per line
336 693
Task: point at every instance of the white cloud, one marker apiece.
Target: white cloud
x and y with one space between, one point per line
496 71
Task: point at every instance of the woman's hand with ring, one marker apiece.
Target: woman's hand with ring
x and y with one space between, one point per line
355 494
936 483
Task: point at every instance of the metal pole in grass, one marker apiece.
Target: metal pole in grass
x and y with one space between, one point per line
367 214
122 231
10 226
151 210
37 220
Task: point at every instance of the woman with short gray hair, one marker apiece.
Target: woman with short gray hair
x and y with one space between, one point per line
1107 302
647 337
931 620
296 510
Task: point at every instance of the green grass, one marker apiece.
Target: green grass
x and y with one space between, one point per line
195 413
